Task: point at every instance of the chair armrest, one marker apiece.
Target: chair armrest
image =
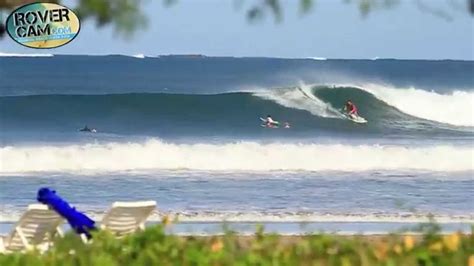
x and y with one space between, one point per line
2 244
59 231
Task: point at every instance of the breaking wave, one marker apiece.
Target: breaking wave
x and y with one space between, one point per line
455 108
24 55
239 156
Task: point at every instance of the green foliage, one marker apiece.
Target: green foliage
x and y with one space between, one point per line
154 247
366 6
124 14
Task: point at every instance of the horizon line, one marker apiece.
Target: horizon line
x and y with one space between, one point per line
198 55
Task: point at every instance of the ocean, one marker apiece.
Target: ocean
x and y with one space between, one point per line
186 131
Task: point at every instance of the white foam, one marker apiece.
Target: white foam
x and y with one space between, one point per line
239 156
12 215
301 98
141 56
298 217
317 58
24 55
455 108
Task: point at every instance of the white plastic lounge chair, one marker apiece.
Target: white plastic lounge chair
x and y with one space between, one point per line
127 217
35 229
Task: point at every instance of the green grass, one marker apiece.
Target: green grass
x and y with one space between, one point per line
154 247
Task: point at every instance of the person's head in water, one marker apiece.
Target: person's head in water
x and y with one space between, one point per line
349 102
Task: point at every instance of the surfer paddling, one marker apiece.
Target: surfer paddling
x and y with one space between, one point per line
269 122
87 129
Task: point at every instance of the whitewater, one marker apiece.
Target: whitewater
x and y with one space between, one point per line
456 107
243 156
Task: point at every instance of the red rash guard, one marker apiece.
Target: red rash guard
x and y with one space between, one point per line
352 109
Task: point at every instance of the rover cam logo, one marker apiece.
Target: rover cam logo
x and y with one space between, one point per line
43 25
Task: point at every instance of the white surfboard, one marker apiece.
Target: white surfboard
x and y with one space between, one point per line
306 94
356 119
275 124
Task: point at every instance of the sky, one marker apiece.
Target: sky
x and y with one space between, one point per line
332 29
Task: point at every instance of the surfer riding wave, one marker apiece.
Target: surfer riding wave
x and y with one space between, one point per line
350 108
351 112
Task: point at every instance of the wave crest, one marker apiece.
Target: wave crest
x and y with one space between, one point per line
455 108
24 55
301 98
240 156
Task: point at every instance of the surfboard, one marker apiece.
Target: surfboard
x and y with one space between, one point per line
356 119
275 124
306 94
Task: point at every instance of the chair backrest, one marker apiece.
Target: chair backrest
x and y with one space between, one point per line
36 226
127 217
